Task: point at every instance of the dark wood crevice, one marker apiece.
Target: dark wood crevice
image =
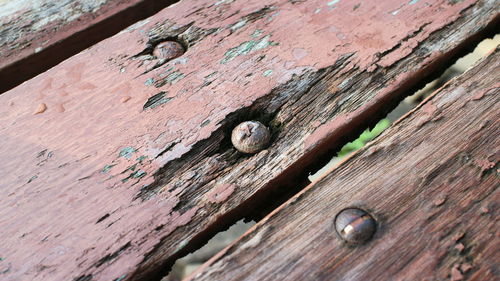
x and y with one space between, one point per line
295 178
419 79
95 123
219 144
434 213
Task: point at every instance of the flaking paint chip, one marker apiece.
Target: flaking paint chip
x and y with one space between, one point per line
439 201
460 247
40 109
125 99
456 275
465 267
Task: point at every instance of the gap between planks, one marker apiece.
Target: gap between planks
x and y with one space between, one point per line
157 243
460 187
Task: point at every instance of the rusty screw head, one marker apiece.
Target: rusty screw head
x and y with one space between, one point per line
355 226
250 136
168 50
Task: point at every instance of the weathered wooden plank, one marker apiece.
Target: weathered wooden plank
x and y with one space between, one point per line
38 34
122 185
432 183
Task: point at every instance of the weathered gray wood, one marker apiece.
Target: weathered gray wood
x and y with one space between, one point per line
38 34
432 183
101 183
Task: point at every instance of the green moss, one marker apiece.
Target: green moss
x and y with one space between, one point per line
239 25
141 158
333 2
247 47
267 72
127 152
174 77
257 33
149 82
169 77
135 175
138 174
107 168
365 137
121 277
156 100
131 168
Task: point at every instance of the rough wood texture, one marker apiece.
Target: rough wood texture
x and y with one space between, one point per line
38 34
431 181
116 163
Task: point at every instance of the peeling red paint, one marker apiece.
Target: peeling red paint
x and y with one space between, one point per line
429 108
480 94
328 130
94 120
456 275
430 111
460 247
39 34
339 125
221 193
465 267
485 164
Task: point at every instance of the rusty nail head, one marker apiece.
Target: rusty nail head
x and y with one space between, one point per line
250 137
168 50
355 226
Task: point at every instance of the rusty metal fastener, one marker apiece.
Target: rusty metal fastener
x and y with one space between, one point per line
168 50
355 226
250 137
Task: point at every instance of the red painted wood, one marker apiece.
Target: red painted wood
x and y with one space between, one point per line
78 144
431 182
38 34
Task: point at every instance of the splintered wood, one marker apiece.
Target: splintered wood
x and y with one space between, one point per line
116 162
431 182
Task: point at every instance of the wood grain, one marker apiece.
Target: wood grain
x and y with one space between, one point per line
129 164
38 34
432 183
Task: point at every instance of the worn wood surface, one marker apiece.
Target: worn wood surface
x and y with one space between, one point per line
116 163
38 34
432 183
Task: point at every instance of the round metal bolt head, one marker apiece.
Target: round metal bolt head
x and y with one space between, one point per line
250 137
168 50
355 226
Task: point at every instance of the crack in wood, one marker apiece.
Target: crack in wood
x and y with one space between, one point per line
409 87
112 256
261 180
